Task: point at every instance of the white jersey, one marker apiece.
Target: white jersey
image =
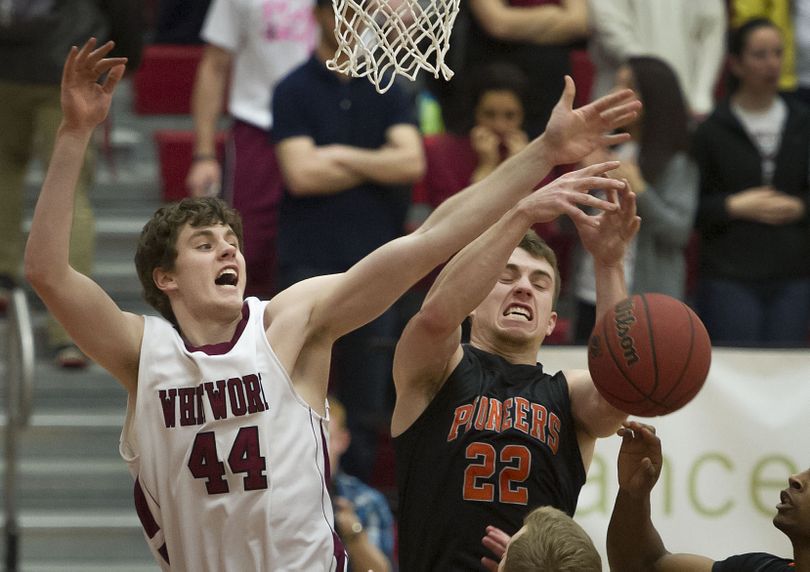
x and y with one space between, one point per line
268 38
230 464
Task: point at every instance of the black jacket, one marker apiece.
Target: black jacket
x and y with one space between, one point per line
729 162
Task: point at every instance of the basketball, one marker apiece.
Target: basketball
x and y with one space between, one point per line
649 355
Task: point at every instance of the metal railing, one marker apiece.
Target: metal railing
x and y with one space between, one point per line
19 399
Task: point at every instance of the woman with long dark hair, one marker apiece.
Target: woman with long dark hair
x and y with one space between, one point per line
657 164
753 152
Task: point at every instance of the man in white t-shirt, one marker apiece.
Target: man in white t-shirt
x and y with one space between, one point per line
255 43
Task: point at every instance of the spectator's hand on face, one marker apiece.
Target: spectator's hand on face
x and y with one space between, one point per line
485 143
515 141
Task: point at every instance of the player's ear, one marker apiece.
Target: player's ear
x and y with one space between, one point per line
163 279
552 323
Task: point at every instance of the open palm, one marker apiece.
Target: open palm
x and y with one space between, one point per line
573 134
85 102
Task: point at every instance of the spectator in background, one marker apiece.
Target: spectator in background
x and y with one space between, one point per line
255 43
348 155
657 164
362 516
686 34
180 21
35 38
534 35
493 131
792 17
752 152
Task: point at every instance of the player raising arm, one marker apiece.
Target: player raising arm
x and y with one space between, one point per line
634 545
226 416
482 434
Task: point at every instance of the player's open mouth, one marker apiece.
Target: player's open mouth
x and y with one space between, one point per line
517 311
228 277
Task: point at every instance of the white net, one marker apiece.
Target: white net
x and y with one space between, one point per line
381 38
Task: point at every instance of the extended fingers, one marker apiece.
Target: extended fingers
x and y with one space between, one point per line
620 114
115 75
612 100
85 50
596 169
70 63
99 53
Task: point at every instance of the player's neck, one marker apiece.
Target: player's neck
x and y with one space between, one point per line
515 354
801 555
206 329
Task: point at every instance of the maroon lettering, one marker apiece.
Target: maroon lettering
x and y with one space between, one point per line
167 399
187 400
199 391
253 394
216 397
236 394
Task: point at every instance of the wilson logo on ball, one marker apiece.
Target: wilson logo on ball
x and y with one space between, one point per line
624 321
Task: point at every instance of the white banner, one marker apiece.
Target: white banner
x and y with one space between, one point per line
728 453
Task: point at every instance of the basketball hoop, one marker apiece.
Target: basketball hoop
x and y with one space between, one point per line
381 38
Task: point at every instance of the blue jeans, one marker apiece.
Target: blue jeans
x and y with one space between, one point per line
770 313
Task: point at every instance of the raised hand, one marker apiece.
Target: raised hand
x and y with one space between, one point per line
640 458
566 194
572 134
85 102
606 238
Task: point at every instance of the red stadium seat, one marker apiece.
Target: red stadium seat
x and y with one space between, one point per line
165 79
174 155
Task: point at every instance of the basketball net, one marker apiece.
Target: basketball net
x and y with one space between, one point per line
381 38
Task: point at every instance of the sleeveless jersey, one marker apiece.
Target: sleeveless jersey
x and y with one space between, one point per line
229 462
497 441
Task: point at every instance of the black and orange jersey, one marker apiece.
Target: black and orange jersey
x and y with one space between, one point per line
497 441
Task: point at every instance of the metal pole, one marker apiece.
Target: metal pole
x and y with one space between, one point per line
19 394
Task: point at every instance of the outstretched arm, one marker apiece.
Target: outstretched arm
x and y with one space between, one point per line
633 543
429 348
374 283
105 333
607 243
